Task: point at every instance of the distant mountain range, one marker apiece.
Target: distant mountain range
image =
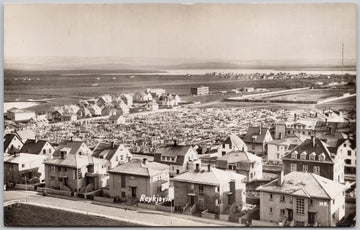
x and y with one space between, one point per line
157 64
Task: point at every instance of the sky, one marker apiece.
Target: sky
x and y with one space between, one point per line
282 32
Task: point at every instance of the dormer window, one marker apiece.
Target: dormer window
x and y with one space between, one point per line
322 157
303 155
294 155
312 156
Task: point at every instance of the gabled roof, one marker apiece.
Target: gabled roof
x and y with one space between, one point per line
105 150
254 133
74 161
215 177
174 150
304 185
139 168
307 146
239 156
23 157
73 145
32 146
8 138
236 141
25 134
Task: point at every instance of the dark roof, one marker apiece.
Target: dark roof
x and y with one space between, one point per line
32 146
308 147
114 117
107 149
255 132
73 145
8 138
178 151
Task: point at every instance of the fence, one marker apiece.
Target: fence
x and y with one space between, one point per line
25 187
54 191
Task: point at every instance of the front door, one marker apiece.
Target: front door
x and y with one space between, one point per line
311 218
290 214
133 192
192 200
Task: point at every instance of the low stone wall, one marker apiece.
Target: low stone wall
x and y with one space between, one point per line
104 199
262 223
156 207
224 217
147 206
25 187
54 191
208 215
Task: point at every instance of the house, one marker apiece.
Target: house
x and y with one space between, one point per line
199 91
215 190
302 199
141 97
122 108
116 120
68 116
135 178
20 114
152 106
75 172
256 139
95 110
232 143
313 156
115 153
76 147
157 92
349 148
180 158
243 163
57 115
169 100
38 120
24 168
127 99
303 127
277 148
108 111
37 147
12 143
104 100
84 112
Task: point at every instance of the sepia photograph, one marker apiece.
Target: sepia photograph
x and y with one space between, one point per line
179 114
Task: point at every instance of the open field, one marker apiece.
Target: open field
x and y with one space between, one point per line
28 215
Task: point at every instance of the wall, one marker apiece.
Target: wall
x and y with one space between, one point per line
326 169
141 183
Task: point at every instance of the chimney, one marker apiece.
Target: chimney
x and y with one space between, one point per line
144 161
260 128
313 140
113 144
197 169
209 167
175 142
295 117
71 139
36 139
280 135
280 180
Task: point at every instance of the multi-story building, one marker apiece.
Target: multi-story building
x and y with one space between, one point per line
232 143
135 178
243 163
256 139
12 144
277 148
200 91
115 153
313 156
24 167
180 158
302 199
215 190
20 114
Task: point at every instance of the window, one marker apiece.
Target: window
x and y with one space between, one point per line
192 186
59 169
333 201
79 173
305 168
201 189
312 156
300 206
282 212
316 170
52 168
348 161
294 155
293 167
311 202
303 156
271 211
322 157
65 169
217 202
282 198
117 158
123 194
349 152
44 151
22 165
52 178
11 166
299 223
217 189
223 146
59 179
123 185
271 196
